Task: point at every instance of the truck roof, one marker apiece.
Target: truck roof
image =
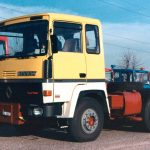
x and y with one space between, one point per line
57 16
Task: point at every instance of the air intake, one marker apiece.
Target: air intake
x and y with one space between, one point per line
9 73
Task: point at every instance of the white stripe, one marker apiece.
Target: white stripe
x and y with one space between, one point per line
68 93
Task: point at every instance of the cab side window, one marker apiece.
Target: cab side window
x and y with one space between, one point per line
68 36
92 39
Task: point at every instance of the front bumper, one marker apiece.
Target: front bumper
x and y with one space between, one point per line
15 113
43 111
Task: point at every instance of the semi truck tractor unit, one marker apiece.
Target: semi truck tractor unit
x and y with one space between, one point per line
131 87
54 71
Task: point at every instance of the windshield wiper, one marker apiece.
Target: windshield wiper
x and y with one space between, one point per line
25 57
21 55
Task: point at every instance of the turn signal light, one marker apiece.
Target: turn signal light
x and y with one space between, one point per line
47 93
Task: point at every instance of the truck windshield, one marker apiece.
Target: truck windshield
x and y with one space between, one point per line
130 76
26 39
141 77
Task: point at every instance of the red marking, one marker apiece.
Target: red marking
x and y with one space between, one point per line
32 93
130 103
13 109
57 96
142 68
108 69
116 101
5 39
91 121
134 118
133 103
47 93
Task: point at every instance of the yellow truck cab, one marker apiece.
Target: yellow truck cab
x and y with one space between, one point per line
54 69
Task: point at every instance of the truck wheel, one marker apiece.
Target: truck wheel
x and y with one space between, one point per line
146 116
88 120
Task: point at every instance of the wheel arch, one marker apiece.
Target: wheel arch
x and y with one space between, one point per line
98 95
78 94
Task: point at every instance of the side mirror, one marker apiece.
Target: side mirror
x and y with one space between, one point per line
54 43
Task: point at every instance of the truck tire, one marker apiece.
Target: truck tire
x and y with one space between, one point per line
146 115
88 120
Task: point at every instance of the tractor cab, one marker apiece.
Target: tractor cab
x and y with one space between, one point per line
130 75
128 79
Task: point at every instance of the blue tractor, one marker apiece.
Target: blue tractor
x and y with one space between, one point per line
119 74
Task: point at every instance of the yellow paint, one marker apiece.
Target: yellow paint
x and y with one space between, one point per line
66 65
15 65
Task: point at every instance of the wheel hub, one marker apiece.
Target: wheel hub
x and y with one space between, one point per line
89 121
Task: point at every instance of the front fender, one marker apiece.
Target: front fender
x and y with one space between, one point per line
71 105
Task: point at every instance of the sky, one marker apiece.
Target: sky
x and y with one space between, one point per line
126 23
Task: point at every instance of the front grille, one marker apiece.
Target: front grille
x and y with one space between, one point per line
9 73
23 93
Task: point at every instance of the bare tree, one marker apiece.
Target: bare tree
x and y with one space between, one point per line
129 59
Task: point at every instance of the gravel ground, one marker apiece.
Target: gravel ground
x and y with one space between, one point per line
114 138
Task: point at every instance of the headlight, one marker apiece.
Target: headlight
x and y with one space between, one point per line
38 111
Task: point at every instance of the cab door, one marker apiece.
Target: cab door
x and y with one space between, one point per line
69 67
94 53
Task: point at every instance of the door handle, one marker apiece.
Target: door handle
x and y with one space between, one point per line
82 75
